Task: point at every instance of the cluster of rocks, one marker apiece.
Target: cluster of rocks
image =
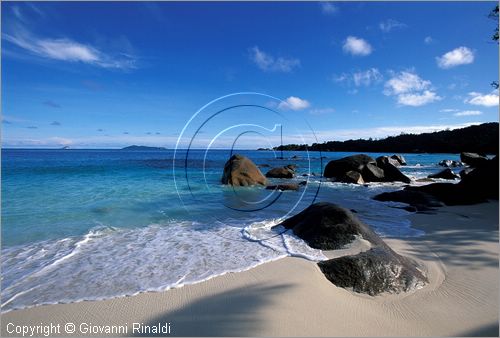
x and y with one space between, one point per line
362 168
478 184
241 171
327 226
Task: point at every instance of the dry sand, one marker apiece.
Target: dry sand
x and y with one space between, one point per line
291 297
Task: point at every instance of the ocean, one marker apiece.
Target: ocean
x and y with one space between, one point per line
96 224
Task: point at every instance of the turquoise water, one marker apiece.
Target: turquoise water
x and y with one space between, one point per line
94 224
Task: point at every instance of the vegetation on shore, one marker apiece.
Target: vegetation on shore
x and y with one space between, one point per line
481 138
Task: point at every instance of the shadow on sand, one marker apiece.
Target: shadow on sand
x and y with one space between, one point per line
231 313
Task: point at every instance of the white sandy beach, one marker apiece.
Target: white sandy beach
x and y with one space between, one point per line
291 297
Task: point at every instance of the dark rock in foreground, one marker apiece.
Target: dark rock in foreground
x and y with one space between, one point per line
327 226
446 174
473 159
284 186
281 172
373 272
241 171
465 172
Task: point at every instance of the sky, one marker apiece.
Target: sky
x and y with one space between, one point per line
112 74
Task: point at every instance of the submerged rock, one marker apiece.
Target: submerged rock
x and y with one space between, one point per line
281 172
327 226
241 171
284 186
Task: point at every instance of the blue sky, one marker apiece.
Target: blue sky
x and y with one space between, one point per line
99 75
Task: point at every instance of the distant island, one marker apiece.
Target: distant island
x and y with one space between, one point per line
142 148
481 138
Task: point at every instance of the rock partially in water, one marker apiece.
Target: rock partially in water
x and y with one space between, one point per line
283 186
401 160
281 172
338 168
473 159
352 177
446 174
241 171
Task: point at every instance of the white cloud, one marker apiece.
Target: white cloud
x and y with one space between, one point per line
458 56
486 100
428 40
356 46
328 7
405 82
294 103
418 99
321 111
448 110
410 89
390 24
267 62
469 113
68 50
366 78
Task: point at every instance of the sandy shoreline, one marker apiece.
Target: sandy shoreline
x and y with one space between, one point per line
291 297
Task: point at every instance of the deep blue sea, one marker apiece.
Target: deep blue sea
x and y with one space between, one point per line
95 224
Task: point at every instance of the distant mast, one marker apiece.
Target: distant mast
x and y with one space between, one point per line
281 136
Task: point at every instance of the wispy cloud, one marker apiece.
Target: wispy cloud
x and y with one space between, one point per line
458 56
469 113
410 89
428 40
267 62
64 49
356 46
360 78
321 111
448 110
391 24
294 103
55 123
32 127
328 8
486 100
52 104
